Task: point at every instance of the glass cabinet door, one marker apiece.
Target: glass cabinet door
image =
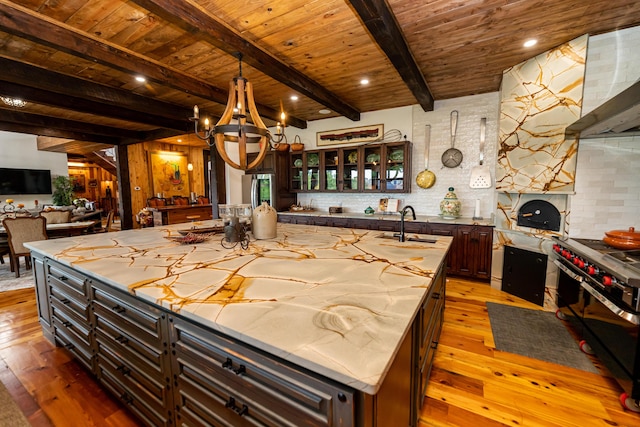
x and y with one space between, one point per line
395 163
329 162
312 171
296 174
350 162
372 169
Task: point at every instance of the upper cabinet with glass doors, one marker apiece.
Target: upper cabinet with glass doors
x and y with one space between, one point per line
366 168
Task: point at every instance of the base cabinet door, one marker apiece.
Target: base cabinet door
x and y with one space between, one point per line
223 383
473 251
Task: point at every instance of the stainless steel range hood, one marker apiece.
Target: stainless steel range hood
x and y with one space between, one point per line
619 116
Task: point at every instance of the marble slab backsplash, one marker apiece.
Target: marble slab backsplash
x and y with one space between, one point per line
539 98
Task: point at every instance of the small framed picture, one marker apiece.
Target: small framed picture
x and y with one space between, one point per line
93 183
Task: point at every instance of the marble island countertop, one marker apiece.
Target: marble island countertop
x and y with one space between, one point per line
336 301
393 216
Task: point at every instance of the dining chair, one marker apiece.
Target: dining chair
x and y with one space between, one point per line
56 217
154 202
4 250
202 200
108 225
180 200
19 231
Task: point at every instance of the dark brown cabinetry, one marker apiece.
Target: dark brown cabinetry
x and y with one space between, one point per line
368 168
470 253
431 316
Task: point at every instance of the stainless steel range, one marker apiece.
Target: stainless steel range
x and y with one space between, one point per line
599 292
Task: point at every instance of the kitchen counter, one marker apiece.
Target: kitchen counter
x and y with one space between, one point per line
336 301
395 216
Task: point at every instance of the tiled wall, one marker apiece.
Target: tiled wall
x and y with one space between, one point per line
607 186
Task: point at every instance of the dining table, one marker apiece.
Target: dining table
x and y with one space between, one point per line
65 229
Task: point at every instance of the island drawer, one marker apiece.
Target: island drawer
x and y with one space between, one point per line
209 367
132 316
153 391
74 337
137 353
64 278
145 413
63 301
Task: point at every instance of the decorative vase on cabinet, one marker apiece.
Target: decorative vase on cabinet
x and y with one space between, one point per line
450 206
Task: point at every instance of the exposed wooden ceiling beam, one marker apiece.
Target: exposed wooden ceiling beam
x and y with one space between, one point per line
52 99
195 21
383 26
12 121
38 28
35 124
59 90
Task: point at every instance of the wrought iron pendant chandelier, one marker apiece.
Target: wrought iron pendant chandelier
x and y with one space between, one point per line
240 124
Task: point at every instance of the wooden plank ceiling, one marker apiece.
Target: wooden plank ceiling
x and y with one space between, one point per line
74 61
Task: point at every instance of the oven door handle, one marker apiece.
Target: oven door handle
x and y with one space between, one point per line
630 317
568 271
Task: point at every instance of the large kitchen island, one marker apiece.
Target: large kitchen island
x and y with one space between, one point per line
319 326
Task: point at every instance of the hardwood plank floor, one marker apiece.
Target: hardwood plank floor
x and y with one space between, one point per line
472 383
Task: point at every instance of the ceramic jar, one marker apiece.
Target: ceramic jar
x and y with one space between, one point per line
450 206
263 222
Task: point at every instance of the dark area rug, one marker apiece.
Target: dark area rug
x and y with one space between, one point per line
537 334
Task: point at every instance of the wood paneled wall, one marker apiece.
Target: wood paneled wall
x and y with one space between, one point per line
139 171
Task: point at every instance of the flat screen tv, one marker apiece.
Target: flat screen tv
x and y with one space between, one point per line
25 181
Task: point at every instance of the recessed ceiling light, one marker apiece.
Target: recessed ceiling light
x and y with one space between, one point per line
294 97
530 42
364 82
179 140
140 79
324 111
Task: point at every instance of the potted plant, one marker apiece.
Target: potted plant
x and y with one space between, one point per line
63 191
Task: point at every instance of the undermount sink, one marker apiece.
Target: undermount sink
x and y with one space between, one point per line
407 238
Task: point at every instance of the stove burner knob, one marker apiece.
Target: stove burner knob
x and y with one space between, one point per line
581 264
607 280
576 261
557 248
592 271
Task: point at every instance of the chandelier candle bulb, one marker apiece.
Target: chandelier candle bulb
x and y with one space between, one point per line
196 112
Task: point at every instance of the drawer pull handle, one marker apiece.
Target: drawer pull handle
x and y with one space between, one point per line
227 363
126 398
231 404
65 301
436 295
119 309
69 346
241 370
122 339
434 344
66 324
123 369
63 278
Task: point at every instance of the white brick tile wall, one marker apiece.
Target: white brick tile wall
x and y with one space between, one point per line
607 192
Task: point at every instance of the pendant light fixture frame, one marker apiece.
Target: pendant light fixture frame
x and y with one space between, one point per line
239 124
